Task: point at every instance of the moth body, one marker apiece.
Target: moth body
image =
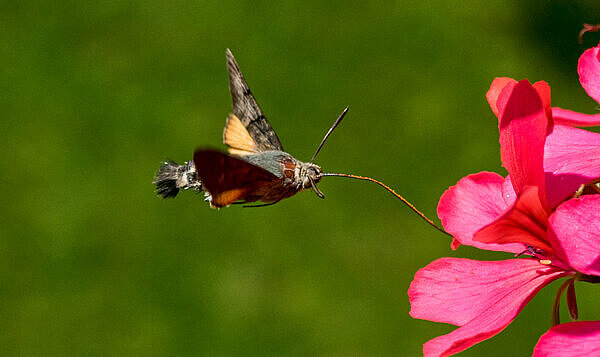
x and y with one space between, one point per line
256 168
292 173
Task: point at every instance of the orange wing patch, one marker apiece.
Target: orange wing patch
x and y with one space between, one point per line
238 139
227 197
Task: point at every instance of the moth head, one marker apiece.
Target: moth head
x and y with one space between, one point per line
310 172
310 175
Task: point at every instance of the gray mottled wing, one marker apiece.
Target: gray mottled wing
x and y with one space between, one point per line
247 110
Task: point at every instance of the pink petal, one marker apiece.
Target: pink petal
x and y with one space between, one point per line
501 88
481 297
569 117
525 222
576 231
523 128
475 201
508 192
543 90
589 72
571 158
498 84
572 339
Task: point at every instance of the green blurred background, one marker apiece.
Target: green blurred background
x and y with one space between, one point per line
95 94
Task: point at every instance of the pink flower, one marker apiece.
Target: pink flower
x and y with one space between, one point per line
571 155
565 146
570 339
526 211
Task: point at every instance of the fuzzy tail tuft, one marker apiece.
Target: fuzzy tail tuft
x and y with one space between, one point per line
166 178
172 177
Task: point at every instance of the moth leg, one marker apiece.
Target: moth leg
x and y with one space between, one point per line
262 205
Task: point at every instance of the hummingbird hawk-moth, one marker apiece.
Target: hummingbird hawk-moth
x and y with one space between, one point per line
256 168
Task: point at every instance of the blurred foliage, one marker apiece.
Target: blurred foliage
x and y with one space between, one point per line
96 94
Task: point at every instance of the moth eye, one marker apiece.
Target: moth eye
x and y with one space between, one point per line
288 173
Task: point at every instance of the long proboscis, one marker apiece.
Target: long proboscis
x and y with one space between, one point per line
404 200
335 124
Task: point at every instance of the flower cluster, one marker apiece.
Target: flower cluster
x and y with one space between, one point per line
546 212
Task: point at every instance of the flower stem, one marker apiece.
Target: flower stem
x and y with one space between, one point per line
556 306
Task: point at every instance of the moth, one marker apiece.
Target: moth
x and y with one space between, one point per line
256 167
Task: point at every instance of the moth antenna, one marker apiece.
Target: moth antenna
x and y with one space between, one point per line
404 200
335 124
